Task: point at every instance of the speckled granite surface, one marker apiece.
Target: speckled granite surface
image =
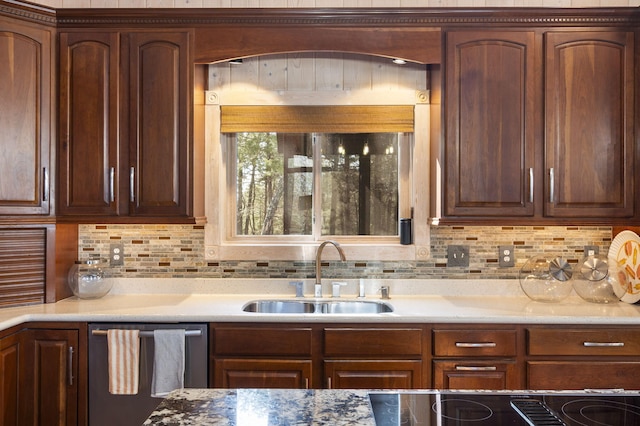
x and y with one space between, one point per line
265 407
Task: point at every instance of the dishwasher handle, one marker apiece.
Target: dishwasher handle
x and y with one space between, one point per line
188 333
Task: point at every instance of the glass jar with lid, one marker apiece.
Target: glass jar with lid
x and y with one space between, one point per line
86 279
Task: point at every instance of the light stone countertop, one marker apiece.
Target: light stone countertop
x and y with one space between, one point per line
413 301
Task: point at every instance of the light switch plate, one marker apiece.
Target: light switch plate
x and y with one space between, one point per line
458 256
506 256
116 254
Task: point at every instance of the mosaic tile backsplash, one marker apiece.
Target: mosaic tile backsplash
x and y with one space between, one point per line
177 251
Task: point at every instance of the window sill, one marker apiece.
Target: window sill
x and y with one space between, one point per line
307 252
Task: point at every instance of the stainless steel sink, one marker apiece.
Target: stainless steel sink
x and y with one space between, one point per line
348 307
280 307
355 307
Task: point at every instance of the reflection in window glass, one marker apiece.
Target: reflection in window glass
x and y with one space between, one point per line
359 184
275 175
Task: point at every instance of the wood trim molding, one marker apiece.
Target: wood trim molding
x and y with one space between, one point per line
349 17
28 12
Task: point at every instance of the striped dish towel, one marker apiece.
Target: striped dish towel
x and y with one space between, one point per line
124 361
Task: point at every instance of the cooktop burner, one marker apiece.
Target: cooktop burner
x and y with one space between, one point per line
448 408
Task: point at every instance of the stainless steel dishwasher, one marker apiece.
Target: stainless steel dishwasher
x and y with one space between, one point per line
122 410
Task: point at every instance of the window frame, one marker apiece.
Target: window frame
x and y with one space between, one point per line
222 244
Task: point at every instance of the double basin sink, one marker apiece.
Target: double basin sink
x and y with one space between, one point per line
345 307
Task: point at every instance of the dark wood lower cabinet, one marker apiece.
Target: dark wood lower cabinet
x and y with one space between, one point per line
475 374
263 373
10 350
581 375
51 377
353 356
42 377
373 374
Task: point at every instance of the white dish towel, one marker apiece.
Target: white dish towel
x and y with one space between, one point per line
168 361
124 361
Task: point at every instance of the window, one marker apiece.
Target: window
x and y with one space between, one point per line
276 176
282 178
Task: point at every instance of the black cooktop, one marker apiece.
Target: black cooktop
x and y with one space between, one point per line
448 408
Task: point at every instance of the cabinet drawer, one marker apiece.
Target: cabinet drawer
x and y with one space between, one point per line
292 341
474 342
373 374
556 375
474 374
583 342
261 373
403 342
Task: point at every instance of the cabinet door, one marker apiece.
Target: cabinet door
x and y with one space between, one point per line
373 374
579 375
51 371
9 385
475 374
589 95
25 121
262 373
88 145
489 113
159 102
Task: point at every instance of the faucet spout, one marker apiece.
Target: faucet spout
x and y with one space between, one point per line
318 286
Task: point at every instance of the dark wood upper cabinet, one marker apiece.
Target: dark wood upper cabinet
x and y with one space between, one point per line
160 86
125 111
589 116
25 121
540 125
89 141
489 149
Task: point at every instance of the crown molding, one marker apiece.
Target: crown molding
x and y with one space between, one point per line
360 17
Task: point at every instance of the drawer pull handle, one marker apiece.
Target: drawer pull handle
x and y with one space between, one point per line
476 345
476 368
603 344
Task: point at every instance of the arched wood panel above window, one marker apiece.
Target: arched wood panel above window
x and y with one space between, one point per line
421 45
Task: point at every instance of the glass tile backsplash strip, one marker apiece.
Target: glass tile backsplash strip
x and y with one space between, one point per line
177 251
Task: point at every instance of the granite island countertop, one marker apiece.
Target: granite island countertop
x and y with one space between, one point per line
413 301
266 407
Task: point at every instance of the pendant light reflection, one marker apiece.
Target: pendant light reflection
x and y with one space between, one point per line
365 149
341 149
389 150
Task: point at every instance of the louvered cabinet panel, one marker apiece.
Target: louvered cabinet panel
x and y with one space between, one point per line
22 266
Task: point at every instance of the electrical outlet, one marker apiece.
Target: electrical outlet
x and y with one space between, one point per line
591 250
458 256
506 257
116 254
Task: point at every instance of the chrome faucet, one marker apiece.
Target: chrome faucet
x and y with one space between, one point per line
318 286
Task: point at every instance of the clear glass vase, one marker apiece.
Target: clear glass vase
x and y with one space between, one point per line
87 279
